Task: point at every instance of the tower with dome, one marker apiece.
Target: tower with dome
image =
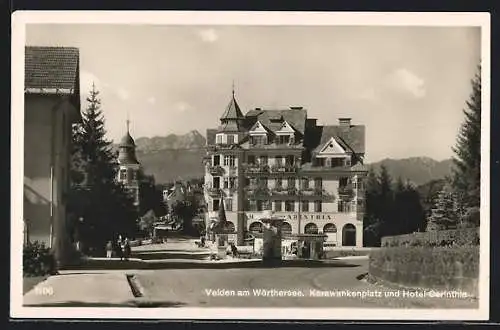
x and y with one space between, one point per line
129 171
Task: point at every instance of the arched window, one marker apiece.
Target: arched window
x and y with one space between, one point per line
230 227
286 228
311 228
255 227
329 228
349 235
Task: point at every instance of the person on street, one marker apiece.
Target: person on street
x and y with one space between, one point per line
119 247
126 249
109 249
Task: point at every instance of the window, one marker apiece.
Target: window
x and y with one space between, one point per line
277 206
218 139
279 183
260 205
232 182
216 205
216 182
133 174
252 205
318 183
230 139
317 206
216 160
354 185
251 159
123 174
344 206
337 162
290 160
320 161
229 204
247 182
305 183
266 205
289 206
343 181
279 160
305 206
226 183
258 139
291 182
229 160
263 160
284 139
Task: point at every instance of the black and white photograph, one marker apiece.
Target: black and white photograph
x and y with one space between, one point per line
250 165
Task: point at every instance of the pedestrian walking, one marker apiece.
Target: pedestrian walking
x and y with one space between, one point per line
126 249
109 249
119 247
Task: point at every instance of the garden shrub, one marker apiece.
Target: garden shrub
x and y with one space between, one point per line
455 237
428 267
38 260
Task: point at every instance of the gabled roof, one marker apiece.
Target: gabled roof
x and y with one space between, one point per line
51 70
286 128
349 137
269 118
259 127
332 147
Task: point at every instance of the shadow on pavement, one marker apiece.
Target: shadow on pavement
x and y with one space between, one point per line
166 264
169 255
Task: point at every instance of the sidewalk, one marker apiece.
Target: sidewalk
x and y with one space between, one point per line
82 289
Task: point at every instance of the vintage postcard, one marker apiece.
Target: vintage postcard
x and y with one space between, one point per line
250 165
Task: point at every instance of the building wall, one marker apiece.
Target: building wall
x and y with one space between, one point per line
47 132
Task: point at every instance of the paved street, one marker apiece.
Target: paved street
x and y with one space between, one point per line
183 278
199 287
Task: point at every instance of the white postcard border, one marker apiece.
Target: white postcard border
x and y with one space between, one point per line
21 18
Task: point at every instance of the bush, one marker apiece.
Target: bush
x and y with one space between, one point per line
453 237
426 267
38 260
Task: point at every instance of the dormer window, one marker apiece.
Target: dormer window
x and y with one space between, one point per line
218 139
284 139
230 139
258 139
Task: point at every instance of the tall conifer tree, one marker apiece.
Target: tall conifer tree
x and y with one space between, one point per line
103 205
467 160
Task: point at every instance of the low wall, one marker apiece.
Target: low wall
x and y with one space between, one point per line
426 267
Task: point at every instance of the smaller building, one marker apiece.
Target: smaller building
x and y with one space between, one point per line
51 106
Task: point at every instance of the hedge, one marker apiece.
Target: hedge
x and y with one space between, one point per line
38 260
448 268
456 237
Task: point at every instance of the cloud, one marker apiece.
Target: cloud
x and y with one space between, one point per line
151 100
405 81
182 107
208 35
87 79
122 93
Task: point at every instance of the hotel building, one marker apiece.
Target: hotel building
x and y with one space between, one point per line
280 160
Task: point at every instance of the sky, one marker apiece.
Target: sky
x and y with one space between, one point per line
407 85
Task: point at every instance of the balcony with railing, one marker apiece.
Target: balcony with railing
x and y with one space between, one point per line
213 191
346 191
281 191
284 168
256 168
215 170
257 192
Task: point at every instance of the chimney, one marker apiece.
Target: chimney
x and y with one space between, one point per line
345 122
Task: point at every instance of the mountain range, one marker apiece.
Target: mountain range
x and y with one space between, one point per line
175 157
